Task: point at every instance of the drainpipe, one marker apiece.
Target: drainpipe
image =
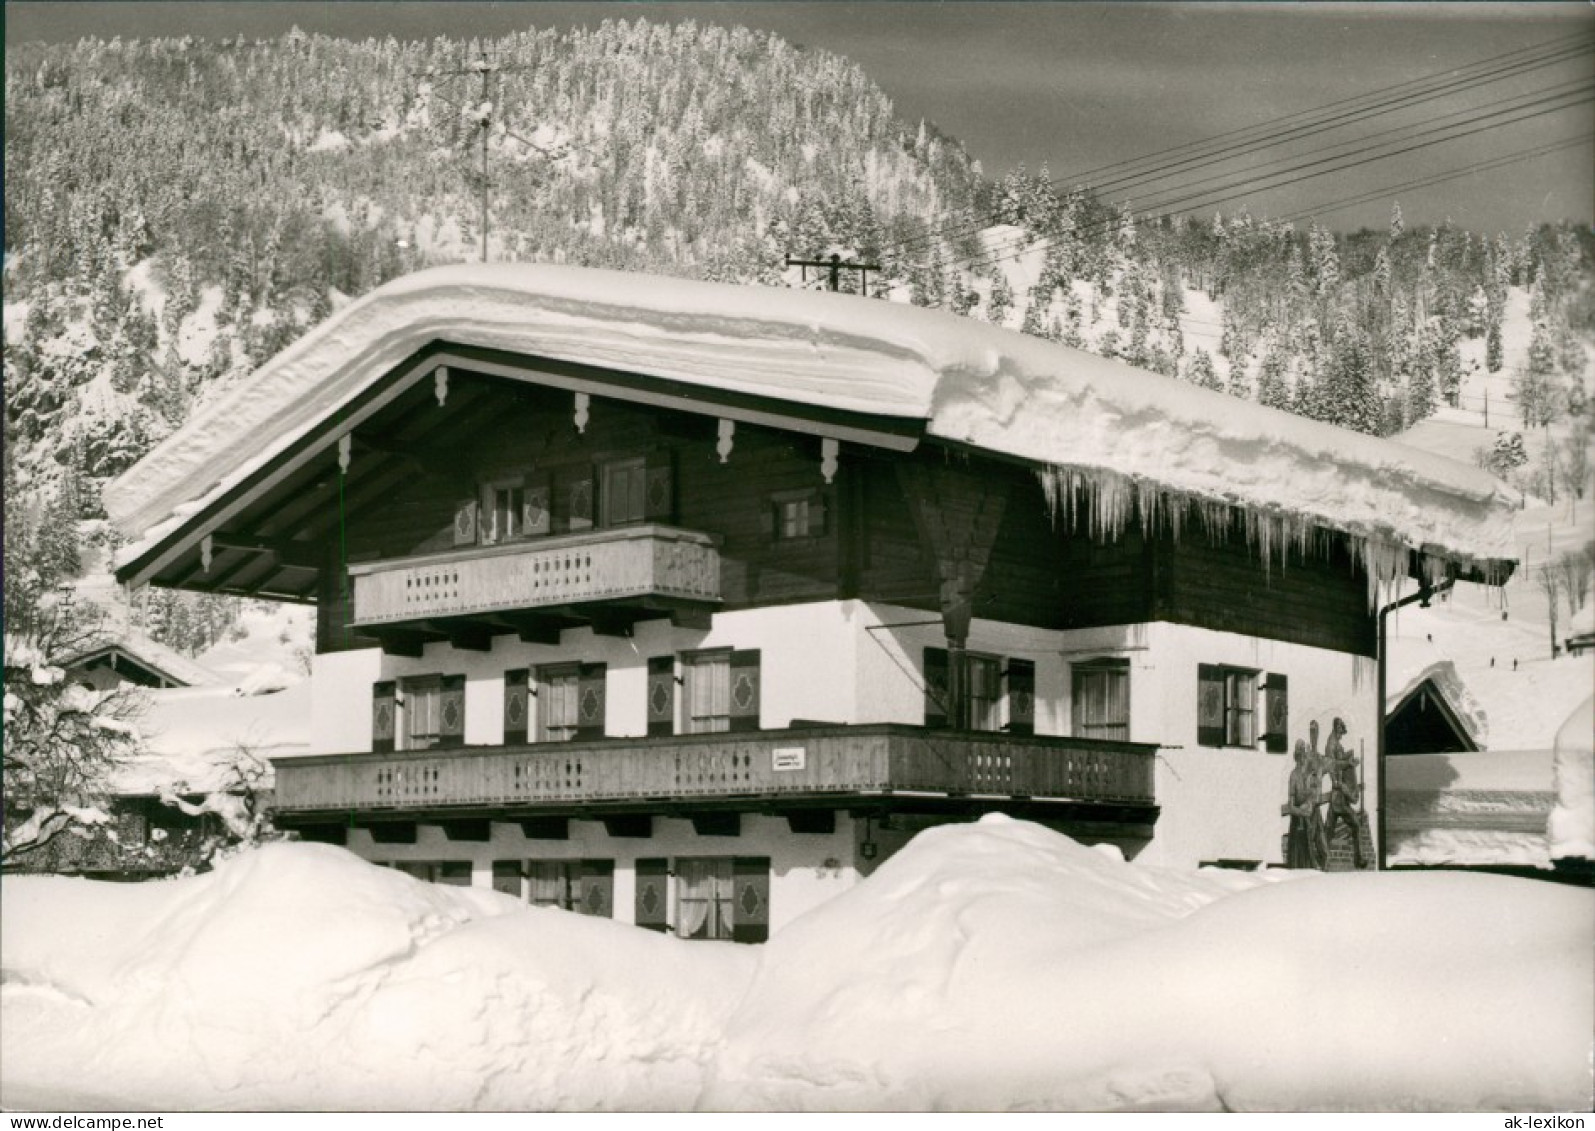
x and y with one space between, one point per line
1423 596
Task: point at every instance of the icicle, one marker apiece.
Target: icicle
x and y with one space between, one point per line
1102 502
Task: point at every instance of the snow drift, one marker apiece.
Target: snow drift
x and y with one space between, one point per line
1128 433
995 965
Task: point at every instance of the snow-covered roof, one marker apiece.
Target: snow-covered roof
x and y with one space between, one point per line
147 651
194 735
1582 623
1412 665
968 382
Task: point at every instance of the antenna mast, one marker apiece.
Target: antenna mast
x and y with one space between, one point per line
482 114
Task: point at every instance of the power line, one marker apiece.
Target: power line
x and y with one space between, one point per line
1424 182
1559 52
1244 188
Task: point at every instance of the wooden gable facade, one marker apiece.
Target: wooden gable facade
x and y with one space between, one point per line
468 466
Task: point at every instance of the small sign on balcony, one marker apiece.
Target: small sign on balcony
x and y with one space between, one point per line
787 758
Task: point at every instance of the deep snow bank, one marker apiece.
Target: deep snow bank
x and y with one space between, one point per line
995 965
299 976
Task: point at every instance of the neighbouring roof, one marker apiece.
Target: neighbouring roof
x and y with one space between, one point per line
152 655
1414 671
194 736
1133 434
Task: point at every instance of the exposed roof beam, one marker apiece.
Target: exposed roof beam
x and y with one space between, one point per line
289 552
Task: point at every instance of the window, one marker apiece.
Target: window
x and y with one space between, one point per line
554 883
985 693
723 898
1100 700
504 504
989 704
624 493
722 691
454 873
797 514
1226 712
557 691
431 711
703 899
421 712
570 702
709 694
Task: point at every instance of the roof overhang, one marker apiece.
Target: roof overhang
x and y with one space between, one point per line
323 435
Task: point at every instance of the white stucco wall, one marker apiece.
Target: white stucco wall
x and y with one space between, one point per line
806 868
1223 803
860 662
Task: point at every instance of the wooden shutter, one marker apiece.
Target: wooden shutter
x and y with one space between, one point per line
744 693
537 514
517 706
817 515
507 877
590 701
661 696
1276 732
1209 705
597 895
465 522
382 696
937 676
574 505
653 895
750 899
451 711
659 487
1021 697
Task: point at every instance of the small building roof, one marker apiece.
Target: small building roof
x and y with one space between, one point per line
130 645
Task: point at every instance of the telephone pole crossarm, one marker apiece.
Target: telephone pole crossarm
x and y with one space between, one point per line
834 266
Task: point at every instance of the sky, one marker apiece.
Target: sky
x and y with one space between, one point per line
1079 87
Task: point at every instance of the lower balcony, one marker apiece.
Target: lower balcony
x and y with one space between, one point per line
877 766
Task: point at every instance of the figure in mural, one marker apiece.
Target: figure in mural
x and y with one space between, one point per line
1344 791
1304 842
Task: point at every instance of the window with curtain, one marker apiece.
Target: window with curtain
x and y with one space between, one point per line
558 697
709 693
985 692
1100 699
421 711
703 898
1226 706
554 883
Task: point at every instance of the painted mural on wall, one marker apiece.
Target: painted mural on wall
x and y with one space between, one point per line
1328 818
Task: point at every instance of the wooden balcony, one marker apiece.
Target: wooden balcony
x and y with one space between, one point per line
913 767
627 564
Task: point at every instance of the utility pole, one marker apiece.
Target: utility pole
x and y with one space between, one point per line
834 267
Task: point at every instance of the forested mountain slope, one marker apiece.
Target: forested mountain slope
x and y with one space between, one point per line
176 211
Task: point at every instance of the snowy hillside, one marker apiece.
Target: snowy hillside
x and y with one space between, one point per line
988 966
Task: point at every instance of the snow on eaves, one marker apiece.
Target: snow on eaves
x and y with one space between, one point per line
1084 417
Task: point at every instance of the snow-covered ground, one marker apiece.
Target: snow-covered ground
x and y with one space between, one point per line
986 966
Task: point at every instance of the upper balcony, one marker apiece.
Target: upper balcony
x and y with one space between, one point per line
631 572
887 767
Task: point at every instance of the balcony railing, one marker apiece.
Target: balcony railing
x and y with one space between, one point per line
871 759
600 565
